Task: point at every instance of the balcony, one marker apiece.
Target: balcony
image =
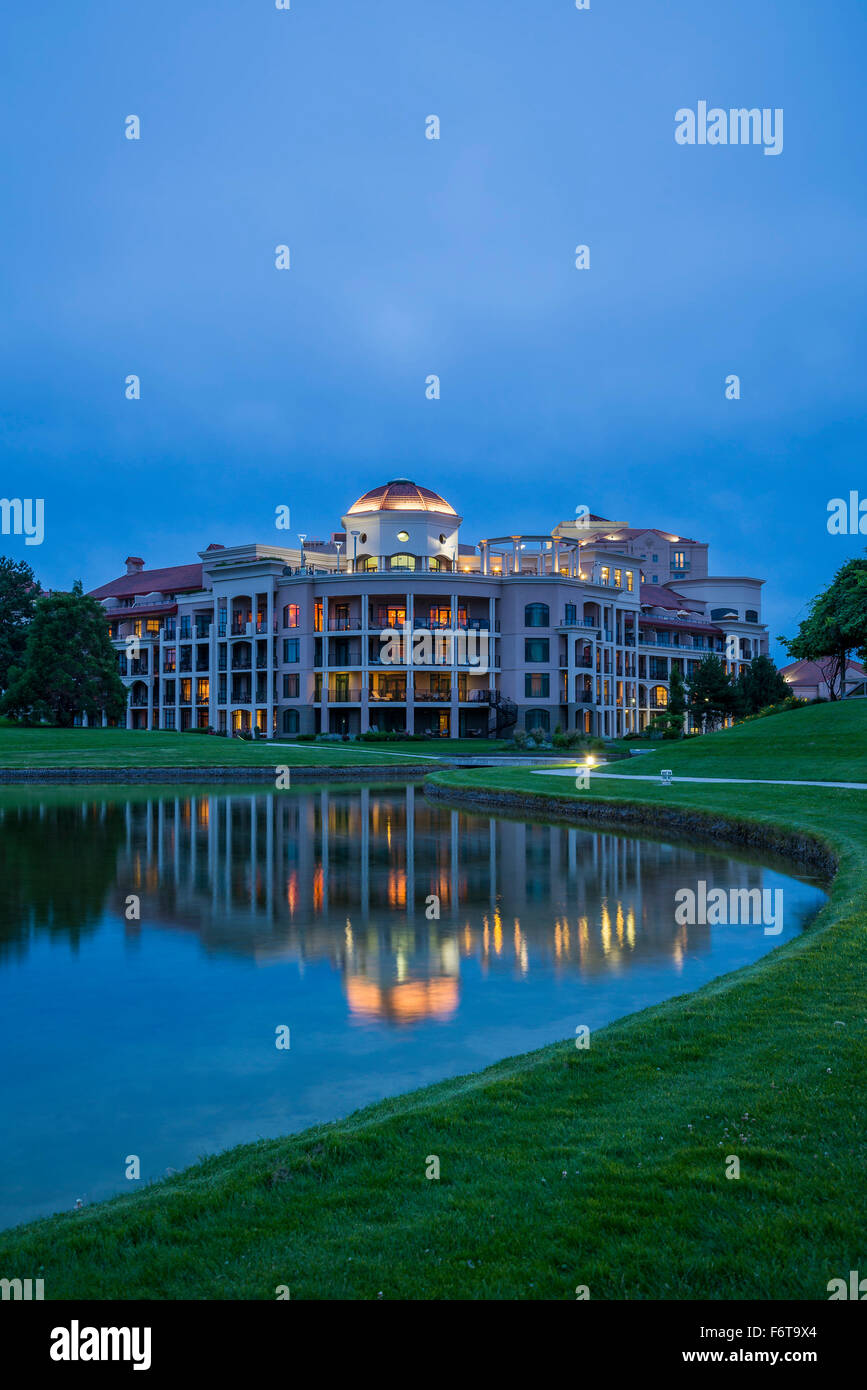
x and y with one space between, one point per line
344 624
434 697
343 697
387 696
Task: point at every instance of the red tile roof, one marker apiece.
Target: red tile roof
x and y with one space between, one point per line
174 580
817 671
658 597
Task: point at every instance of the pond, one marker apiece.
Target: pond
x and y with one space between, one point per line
156 944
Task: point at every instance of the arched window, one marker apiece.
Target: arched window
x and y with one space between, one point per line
290 721
751 615
537 719
402 562
717 613
366 562
659 696
537 615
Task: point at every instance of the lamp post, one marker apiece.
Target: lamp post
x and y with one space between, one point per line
354 535
337 545
302 536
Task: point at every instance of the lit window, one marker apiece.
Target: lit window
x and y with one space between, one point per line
629 581
403 536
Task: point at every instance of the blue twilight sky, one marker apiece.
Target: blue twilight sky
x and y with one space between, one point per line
410 256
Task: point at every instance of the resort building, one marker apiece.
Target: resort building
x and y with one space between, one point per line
396 623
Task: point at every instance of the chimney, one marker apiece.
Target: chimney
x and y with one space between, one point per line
134 564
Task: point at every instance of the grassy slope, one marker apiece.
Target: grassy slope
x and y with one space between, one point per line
825 743
768 1064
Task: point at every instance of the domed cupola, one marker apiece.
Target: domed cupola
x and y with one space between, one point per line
402 526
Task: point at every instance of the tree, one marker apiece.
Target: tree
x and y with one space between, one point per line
676 694
69 665
835 626
761 684
712 693
19 590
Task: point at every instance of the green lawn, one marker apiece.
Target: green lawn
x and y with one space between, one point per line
823 743
56 748
603 1167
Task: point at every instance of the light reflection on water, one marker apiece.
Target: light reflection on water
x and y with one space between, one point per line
312 910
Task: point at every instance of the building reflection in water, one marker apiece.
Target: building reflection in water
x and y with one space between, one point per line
345 877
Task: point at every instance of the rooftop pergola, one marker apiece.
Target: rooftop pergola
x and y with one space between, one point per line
532 555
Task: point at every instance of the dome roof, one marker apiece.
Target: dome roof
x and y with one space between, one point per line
400 495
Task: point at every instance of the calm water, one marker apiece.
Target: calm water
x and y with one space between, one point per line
306 909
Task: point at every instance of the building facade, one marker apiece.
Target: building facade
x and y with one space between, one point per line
396 624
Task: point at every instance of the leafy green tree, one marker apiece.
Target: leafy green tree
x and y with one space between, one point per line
761 684
712 693
835 627
69 665
19 590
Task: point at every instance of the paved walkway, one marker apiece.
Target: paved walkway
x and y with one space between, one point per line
731 781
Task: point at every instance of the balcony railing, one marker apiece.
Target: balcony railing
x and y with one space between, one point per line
437 697
387 695
342 697
344 624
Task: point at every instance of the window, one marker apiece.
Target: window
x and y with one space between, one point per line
571 614
605 575
537 685
618 579
655 559
366 562
751 615
152 626
291 647
401 562
290 721
717 613
537 719
403 536
290 687
292 615
203 687
537 615
659 697
629 581
186 692
168 719
536 649
317 617
678 560
656 579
